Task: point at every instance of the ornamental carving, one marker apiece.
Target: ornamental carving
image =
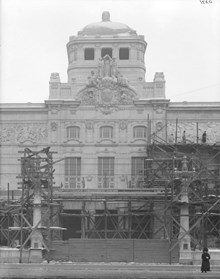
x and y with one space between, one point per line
158 108
159 126
54 109
107 88
89 125
123 124
72 123
190 127
159 84
54 126
21 133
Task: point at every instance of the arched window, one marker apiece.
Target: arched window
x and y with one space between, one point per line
73 132
106 132
140 132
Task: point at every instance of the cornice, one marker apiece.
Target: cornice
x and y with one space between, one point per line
79 66
152 101
62 102
101 40
23 108
194 106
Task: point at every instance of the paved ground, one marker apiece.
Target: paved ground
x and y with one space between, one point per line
104 271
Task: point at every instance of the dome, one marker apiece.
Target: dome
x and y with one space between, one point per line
106 27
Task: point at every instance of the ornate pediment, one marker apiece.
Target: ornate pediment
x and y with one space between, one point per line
107 89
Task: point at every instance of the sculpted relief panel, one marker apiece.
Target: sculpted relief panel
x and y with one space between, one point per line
107 88
20 133
89 125
212 129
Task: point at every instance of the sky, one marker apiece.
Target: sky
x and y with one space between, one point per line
183 38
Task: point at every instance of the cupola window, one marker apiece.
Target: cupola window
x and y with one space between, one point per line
124 53
89 54
107 51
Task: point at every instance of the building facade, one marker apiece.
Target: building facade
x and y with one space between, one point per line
102 118
99 124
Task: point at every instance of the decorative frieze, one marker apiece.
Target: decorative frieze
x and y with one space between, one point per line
20 133
190 127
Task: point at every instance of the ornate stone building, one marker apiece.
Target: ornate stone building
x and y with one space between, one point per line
99 124
101 119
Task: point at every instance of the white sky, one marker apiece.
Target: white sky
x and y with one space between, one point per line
183 39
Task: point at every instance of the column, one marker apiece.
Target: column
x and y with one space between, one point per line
185 246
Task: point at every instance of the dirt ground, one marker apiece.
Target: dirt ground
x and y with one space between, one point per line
104 271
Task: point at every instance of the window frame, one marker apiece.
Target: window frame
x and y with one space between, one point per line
70 130
138 171
103 132
73 172
138 134
88 54
121 54
106 172
106 48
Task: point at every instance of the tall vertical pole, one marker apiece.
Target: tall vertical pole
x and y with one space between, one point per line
50 197
8 194
21 216
8 235
8 240
165 211
105 216
171 209
83 220
166 124
197 132
129 219
176 131
148 129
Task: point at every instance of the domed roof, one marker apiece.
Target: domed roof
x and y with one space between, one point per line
107 27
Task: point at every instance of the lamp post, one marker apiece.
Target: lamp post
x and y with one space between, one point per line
184 238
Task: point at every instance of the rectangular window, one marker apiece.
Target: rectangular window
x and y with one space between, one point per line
106 51
138 172
124 53
140 132
89 54
106 172
73 172
106 132
73 132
